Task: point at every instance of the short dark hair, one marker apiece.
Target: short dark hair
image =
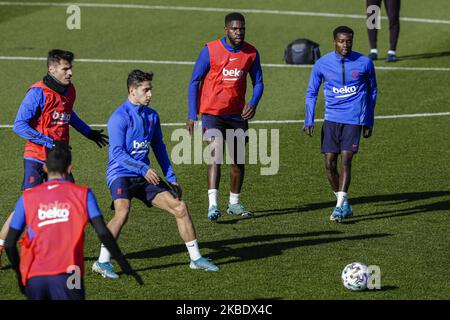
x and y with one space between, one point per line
58 159
342 29
56 55
234 16
136 77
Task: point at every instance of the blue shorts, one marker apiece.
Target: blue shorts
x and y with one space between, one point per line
53 288
34 174
222 123
137 187
337 137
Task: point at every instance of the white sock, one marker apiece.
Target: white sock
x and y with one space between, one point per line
392 52
234 198
336 194
342 196
374 51
194 252
105 256
2 242
212 195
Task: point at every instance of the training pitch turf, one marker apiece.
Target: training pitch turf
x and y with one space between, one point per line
400 188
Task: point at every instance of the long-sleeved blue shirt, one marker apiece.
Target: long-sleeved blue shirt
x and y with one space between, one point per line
132 130
30 109
201 68
350 89
18 219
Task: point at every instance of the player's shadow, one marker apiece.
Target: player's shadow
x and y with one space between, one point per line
428 55
251 248
437 206
390 200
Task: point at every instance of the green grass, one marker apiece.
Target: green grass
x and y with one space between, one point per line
400 191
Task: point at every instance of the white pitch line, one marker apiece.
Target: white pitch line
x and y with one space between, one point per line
395 116
207 9
167 62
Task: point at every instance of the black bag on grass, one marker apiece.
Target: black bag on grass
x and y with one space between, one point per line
302 51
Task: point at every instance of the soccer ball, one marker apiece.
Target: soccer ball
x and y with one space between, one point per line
355 276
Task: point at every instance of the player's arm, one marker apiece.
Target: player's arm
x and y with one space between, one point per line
117 127
201 68
30 109
312 91
258 89
372 92
160 150
95 135
16 228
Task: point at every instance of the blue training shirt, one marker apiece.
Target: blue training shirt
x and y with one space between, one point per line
201 68
31 108
132 130
350 89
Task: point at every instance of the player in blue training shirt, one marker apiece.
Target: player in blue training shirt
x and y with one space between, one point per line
350 91
133 128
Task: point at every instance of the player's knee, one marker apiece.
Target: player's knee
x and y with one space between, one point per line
330 166
180 210
237 168
346 162
122 214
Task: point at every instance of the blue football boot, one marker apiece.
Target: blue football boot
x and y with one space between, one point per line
347 211
203 264
337 214
391 58
213 213
106 269
239 210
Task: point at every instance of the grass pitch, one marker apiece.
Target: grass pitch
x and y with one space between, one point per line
400 183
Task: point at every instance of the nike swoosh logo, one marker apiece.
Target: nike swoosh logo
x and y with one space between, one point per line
52 187
232 59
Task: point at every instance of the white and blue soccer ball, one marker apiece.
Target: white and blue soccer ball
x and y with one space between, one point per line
355 276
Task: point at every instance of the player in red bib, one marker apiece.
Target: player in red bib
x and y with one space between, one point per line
55 214
43 120
217 92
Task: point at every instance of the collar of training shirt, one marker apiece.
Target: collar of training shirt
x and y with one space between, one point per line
133 106
346 58
228 47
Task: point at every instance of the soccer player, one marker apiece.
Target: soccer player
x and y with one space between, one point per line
44 118
55 214
350 90
393 13
133 128
217 91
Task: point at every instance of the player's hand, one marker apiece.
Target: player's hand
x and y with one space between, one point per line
177 189
308 130
152 177
61 145
248 112
367 132
98 137
190 126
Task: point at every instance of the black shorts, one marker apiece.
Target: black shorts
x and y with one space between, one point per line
34 174
53 288
337 137
222 124
137 187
